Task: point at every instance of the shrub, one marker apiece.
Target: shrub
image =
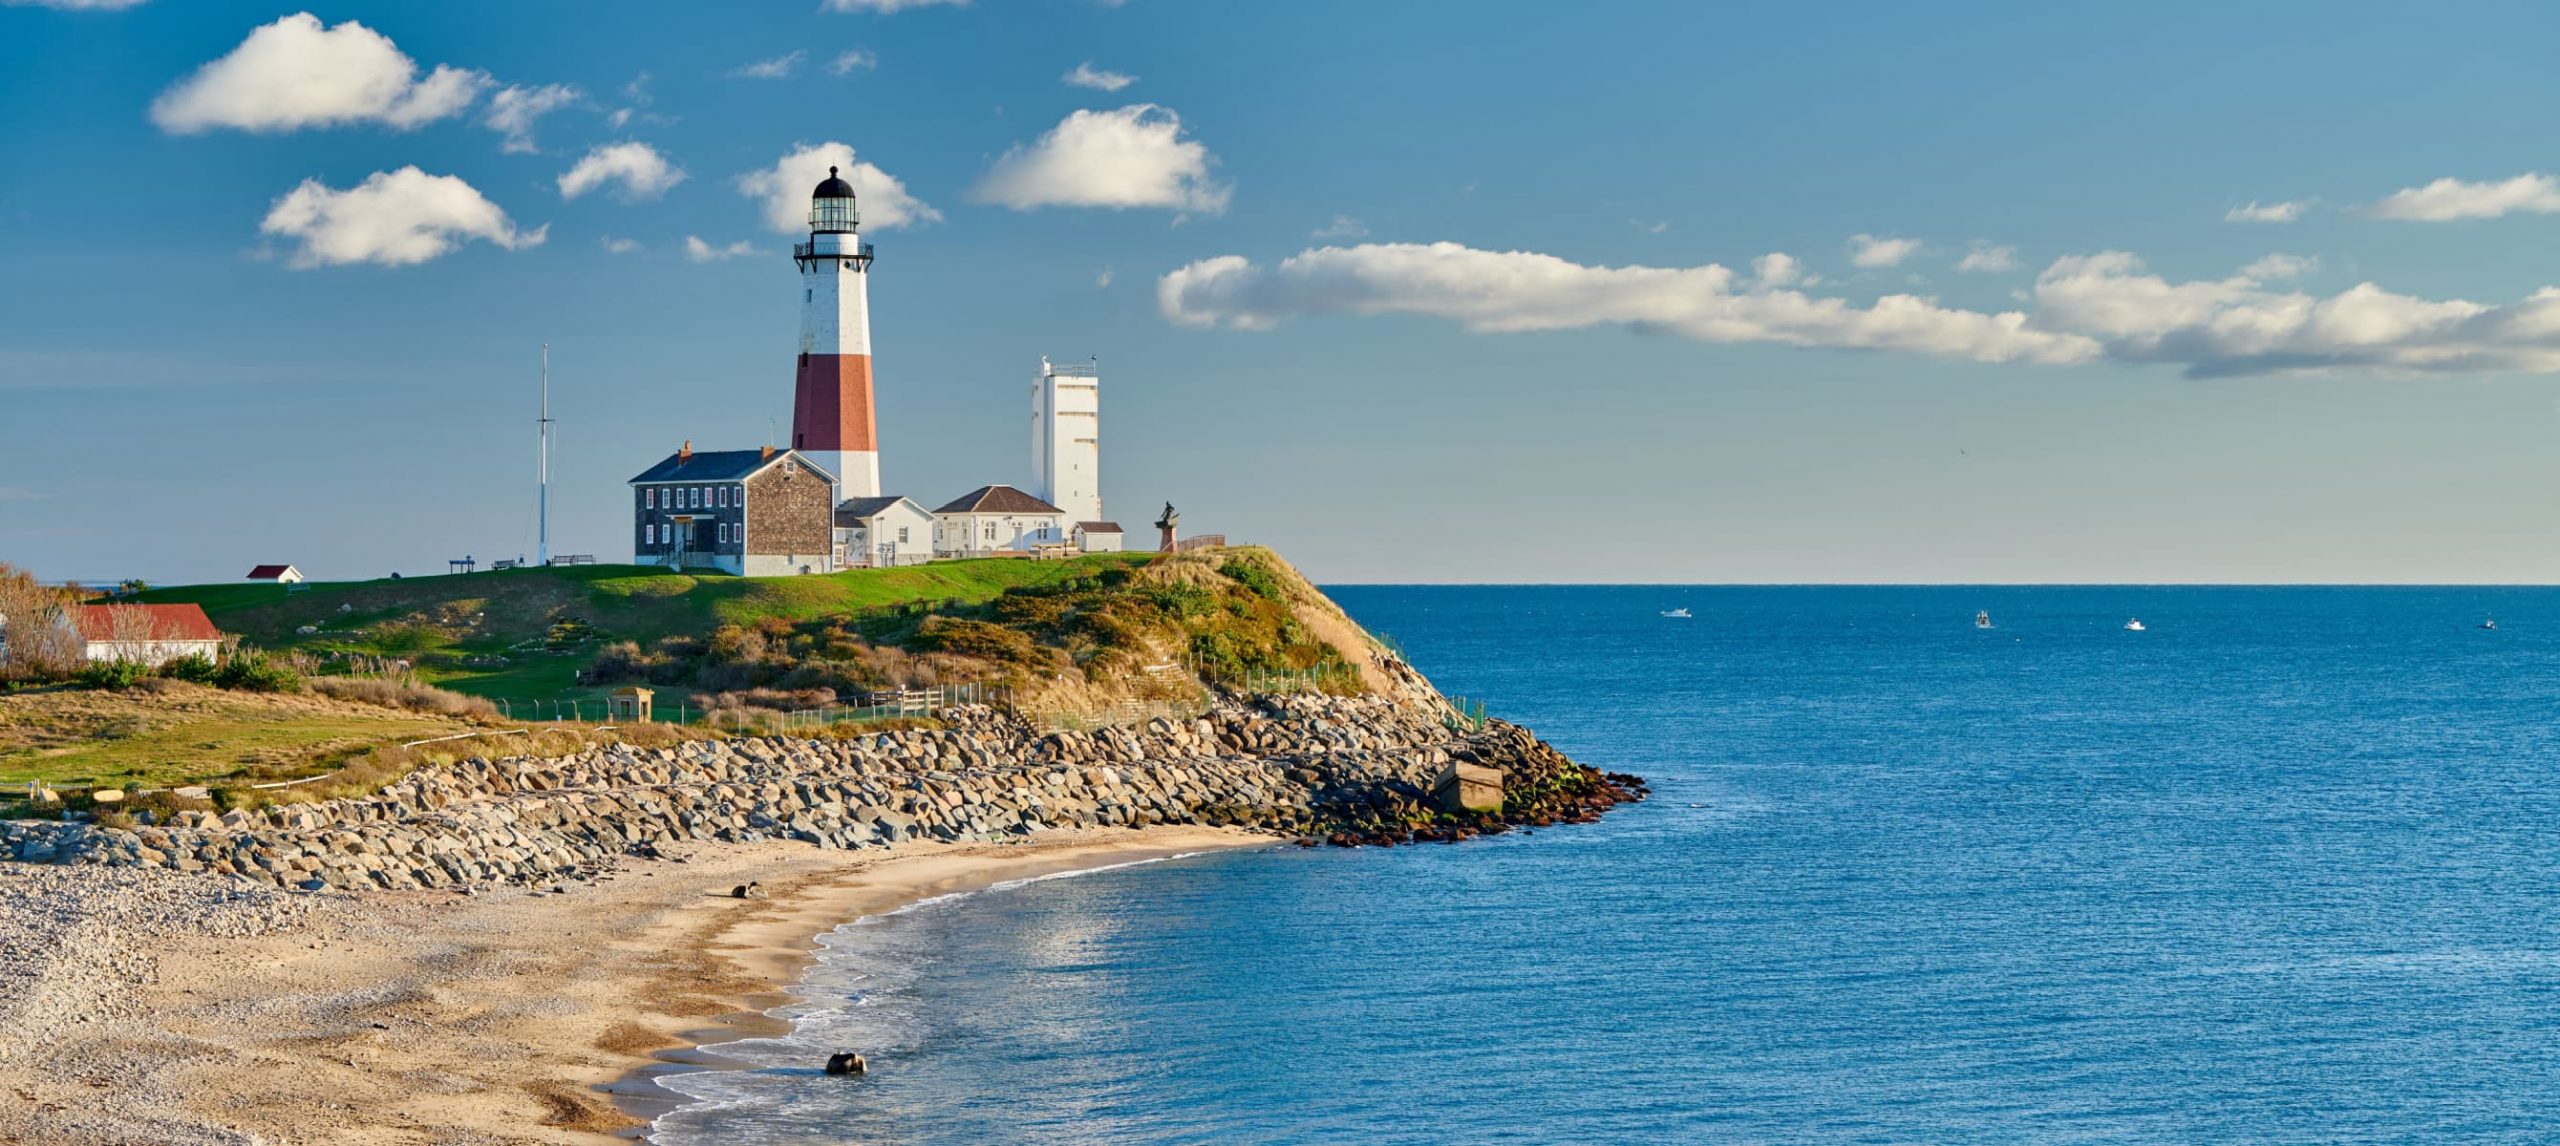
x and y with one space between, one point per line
978 639
405 694
195 667
251 671
1254 576
115 674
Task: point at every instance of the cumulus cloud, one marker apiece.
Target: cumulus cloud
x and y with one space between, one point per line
852 60
636 168
513 111
1132 157
1871 252
1508 291
782 190
1086 75
294 73
778 68
887 6
1777 269
702 252
1985 258
620 246
2446 200
2086 308
2278 267
394 218
2257 212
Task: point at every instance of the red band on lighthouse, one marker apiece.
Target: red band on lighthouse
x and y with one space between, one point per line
832 409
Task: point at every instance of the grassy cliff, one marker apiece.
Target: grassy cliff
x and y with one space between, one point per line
1068 638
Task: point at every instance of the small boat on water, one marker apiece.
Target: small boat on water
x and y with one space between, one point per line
1676 614
2491 623
1982 620
2134 626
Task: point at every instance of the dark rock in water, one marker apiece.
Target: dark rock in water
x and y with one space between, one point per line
847 1063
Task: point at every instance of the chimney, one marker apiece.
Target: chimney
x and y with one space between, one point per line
685 454
768 454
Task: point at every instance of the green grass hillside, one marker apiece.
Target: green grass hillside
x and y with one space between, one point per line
522 635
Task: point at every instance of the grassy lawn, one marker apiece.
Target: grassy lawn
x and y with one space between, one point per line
485 633
188 734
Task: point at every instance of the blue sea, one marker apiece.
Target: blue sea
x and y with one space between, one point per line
2283 868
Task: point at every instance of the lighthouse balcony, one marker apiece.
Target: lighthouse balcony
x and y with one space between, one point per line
806 253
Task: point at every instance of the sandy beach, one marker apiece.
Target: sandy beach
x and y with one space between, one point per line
432 1017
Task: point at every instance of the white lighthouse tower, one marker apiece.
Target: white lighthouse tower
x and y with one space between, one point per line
1066 440
831 418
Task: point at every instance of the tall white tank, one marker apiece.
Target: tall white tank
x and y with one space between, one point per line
1066 439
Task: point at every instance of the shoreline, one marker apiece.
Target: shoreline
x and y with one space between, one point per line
511 1016
781 946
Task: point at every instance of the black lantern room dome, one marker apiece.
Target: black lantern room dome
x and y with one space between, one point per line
833 188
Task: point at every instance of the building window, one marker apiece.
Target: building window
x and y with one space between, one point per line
902 535
648 535
649 498
724 497
724 533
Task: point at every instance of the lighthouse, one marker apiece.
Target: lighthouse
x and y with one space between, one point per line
831 419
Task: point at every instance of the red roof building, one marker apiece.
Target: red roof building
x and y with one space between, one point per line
150 634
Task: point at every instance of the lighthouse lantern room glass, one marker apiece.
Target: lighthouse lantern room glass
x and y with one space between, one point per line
831 209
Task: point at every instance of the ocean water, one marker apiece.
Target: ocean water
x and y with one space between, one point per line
2283 868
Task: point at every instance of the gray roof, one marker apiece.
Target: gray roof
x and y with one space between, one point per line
998 499
1099 526
720 465
856 509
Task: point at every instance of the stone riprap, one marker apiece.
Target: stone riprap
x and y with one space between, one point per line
1344 769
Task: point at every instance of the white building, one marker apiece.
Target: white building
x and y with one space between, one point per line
283 574
1098 537
1066 439
882 532
997 519
147 634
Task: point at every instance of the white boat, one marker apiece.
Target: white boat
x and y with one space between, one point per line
2134 625
2491 623
1676 614
1982 620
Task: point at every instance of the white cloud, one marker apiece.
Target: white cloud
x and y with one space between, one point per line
1342 227
1508 291
513 110
621 246
702 252
852 60
2236 326
887 6
1871 252
1777 269
73 5
783 190
2087 308
1132 157
394 218
1103 277
2280 266
777 68
1086 75
294 73
1984 258
2256 212
637 167
2446 200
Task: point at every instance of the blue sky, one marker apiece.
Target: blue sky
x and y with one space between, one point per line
1431 292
